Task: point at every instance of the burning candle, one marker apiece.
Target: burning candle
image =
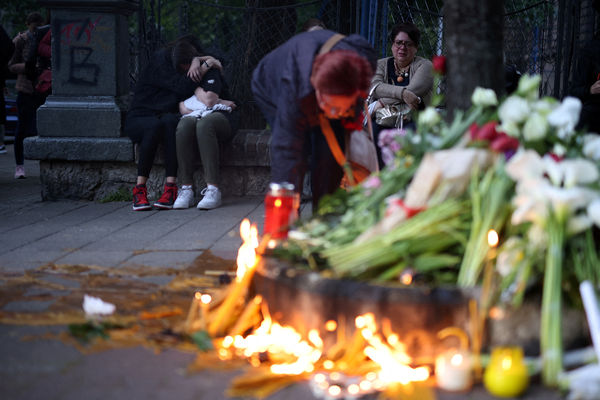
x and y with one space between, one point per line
205 300
454 370
281 209
506 375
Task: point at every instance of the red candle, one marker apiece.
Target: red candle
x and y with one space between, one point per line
281 209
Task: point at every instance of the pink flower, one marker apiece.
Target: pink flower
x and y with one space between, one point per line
372 182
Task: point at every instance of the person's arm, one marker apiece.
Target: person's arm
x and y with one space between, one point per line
209 98
16 65
201 65
421 83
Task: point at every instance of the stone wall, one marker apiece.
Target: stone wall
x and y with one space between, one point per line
96 168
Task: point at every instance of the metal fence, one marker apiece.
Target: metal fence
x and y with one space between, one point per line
540 37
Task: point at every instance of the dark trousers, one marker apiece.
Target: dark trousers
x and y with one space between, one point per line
27 105
148 131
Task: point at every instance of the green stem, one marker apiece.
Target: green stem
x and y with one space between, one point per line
551 318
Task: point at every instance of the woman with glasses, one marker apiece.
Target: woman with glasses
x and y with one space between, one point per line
295 86
404 80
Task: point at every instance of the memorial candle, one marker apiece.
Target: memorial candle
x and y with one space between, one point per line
506 375
454 370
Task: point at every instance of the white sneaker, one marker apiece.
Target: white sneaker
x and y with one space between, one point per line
185 198
212 198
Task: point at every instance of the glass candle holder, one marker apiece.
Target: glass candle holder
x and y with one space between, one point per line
506 375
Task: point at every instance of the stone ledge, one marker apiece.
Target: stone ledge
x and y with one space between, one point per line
78 149
98 167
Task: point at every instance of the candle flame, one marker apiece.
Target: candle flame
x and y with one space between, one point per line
456 359
205 298
392 359
277 203
492 238
246 258
506 362
330 325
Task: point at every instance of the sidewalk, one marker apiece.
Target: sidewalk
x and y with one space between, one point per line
51 253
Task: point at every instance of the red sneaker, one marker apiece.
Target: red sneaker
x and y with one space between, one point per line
168 197
140 198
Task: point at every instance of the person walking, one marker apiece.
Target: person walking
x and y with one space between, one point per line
7 48
28 100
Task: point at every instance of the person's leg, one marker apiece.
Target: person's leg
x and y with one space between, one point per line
2 120
187 149
143 130
168 125
210 130
187 154
26 108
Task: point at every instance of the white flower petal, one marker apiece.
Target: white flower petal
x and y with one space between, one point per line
529 86
525 163
514 109
484 97
579 171
578 223
591 146
535 128
593 211
565 117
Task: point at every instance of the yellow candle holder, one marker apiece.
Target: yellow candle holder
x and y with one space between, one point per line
506 375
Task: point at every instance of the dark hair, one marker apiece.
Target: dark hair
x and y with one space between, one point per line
341 72
34 17
183 52
409 28
311 23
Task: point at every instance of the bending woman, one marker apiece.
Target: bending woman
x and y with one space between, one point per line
293 86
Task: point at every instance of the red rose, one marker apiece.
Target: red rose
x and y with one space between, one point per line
503 143
439 64
473 129
488 131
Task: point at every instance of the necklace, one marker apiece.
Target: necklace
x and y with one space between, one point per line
401 73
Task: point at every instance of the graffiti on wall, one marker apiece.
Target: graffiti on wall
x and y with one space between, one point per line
81 41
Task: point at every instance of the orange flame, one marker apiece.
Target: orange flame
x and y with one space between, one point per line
246 257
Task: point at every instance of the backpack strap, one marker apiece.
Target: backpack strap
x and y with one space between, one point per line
331 42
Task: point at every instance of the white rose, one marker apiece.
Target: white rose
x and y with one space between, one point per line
429 117
535 128
529 86
565 117
591 146
514 109
484 97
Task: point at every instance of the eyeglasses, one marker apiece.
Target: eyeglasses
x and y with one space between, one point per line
405 43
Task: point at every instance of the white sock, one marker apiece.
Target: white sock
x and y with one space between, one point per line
208 186
183 187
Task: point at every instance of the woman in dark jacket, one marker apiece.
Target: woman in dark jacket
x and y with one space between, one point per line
293 86
154 113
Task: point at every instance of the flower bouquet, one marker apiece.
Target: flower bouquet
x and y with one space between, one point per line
516 166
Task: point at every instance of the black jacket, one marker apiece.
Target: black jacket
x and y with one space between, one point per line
160 87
